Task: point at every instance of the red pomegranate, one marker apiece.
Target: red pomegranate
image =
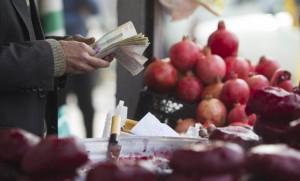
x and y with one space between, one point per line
286 85
267 66
257 81
210 67
189 88
245 125
223 42
184 124
235 90
238 114
213 89
236 65
160 76
211 110
251 66
185 54
282 78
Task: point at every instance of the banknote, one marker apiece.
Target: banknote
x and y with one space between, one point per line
127 46
120 33
133 61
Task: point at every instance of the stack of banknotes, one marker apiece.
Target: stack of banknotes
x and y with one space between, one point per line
127 46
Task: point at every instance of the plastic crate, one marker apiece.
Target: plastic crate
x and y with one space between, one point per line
168 109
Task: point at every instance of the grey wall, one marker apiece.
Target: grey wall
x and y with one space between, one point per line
140 12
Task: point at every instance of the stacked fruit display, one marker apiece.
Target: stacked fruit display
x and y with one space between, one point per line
25 156
214 78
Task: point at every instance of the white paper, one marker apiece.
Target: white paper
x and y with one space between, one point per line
149 125
193 131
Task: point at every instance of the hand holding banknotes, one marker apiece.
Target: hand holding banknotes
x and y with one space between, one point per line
127 46
80 57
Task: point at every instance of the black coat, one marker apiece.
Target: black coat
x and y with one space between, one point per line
26 69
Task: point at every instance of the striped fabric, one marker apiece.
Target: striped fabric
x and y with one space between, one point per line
51 14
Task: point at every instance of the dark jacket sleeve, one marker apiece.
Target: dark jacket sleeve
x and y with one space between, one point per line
26 65
25 62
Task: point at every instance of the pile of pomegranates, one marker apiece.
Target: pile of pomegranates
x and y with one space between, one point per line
215 78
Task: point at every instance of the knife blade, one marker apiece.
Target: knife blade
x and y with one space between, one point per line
114 148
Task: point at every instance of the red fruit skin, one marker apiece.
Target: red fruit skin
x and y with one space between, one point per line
235 90
210 67
213 177
200 159
184 124
161 76
286 85
236 65
257 81
189 89
213 90
270 131
70 176
267 67
15 142
223 42
240 134
185 54
274 103
242 124
292 134
211 110
54 155
282 78
238 114
273 162
109 171
252 119
251 66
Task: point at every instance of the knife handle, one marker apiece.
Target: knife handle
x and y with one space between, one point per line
116 125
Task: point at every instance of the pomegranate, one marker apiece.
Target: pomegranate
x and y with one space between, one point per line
251 66
286 85
293 134
238 114
160 76
184 124
274 104
223 42
236 65
235 90
282 78
239 133
185 54
257 81
210 67
267 66
189 88
211 110
15 143
242 124
213 89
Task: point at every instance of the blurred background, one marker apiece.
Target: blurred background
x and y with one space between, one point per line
264 27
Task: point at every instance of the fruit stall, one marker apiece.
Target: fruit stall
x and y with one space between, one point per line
245 113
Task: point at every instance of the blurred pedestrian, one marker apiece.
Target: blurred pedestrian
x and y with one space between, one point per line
75 14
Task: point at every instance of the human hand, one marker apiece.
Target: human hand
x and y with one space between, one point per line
81 38
80 57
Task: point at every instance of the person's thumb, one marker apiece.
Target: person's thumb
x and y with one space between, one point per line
80 38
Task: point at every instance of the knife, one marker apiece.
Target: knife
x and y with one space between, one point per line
114 148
